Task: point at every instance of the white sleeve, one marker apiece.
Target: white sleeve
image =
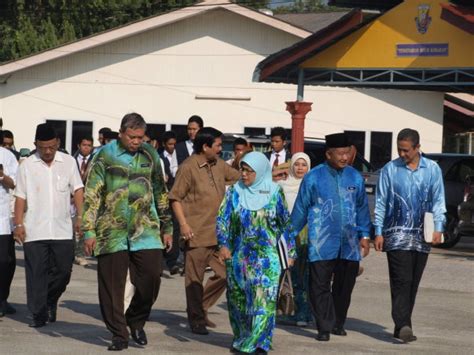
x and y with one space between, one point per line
20 188
10 168
75 181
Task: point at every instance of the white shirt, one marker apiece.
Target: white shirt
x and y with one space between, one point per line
190 147
281 157
10 167
47 191
173 159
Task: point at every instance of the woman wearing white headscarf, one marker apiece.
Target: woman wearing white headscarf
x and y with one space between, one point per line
299 166
252 218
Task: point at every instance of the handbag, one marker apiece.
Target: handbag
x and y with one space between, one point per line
286 299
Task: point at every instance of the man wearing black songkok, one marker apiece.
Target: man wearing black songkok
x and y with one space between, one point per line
333 204
45 182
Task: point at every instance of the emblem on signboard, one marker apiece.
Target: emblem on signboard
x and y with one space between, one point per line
423 19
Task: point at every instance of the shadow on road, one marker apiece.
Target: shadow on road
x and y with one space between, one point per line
370 329
89 309
177 328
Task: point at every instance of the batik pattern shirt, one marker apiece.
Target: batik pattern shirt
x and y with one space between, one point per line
126 201
334 205
403 197
253 272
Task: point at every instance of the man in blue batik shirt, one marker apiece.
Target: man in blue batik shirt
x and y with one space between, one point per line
333 202
408 187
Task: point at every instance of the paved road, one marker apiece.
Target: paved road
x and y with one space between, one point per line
443 319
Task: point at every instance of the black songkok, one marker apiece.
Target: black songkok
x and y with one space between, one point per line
337 140
45 132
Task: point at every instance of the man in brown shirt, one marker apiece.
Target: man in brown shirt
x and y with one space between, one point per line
196 195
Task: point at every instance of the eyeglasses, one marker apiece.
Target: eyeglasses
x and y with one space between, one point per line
247 171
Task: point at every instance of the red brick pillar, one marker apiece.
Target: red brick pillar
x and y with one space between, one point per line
298 110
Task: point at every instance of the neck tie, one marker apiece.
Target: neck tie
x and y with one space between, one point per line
83 168
275 162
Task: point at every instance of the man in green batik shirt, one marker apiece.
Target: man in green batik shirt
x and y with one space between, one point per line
126 212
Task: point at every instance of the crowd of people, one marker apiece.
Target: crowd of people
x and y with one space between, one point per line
136 205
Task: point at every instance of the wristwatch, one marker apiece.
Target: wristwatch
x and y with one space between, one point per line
365 237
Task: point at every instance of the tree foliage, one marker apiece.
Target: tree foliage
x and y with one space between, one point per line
30 26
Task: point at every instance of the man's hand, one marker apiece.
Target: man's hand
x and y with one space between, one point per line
89 246
168 240
77 226
186 231
365 246
224 254
437 238
291 262
378 243
19 234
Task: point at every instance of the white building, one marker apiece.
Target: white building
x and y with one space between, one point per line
196 60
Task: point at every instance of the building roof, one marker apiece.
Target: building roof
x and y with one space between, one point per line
409 47
312 22
147 25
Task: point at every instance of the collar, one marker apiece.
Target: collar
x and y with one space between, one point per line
166 154
57 157
421 164
333 171
202 161
121 149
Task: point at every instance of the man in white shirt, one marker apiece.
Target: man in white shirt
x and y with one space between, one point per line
278 155
186 148
83 157
8 169
169 157
45 183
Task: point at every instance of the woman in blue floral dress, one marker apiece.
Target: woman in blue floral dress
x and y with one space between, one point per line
252 218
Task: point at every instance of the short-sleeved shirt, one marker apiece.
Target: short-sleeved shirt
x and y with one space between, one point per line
10 167
200 187
47 190
126 201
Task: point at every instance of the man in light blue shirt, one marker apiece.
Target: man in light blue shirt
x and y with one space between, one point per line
408 187
333 202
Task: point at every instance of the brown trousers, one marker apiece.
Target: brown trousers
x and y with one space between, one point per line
198 298
145 273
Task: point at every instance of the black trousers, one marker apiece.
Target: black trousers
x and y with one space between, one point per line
7 264
145 270
48 267
172 256
405 269
330 304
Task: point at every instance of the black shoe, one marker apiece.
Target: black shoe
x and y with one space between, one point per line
200 329
323 336
139 336
52 310
405 334
339 331
174 270
118 345
6 308
36 323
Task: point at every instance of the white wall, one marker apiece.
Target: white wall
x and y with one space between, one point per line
159 74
